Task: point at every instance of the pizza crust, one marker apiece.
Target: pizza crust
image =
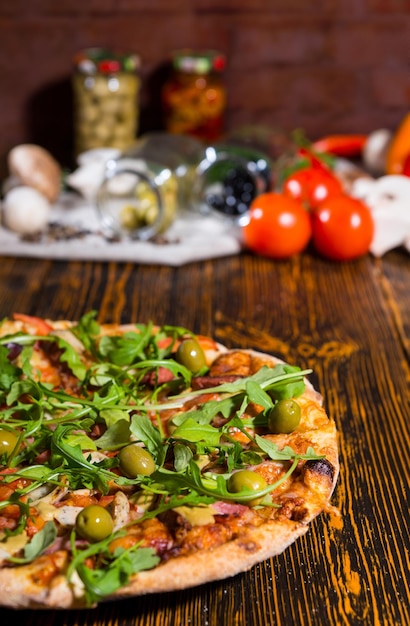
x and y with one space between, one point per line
223 562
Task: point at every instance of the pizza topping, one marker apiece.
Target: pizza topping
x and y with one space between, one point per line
190 354
247 480
117 453
94 523
284 416
135 460
8 442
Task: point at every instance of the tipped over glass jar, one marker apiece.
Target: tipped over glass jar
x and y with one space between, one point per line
165 175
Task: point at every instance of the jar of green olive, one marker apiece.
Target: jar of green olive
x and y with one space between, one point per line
106 94
145 186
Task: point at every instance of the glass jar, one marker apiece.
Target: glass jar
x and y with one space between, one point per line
106 88
229 177
194 97
145 186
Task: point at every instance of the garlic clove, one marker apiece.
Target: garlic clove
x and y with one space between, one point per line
25 210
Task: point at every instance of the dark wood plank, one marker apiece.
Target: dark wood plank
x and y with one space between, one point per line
348 322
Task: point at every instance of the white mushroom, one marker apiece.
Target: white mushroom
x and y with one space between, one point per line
25 210
388 198
35 167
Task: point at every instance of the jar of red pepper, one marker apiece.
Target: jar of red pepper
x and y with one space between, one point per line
194 97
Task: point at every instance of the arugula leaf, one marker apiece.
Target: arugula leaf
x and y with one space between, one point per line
115 436
114 570
276 378
284 454
72 358
9 373
43 539
23 387
206 412
124 349
183 455
102 582
74 458
257 395
143 429
86 331
190 430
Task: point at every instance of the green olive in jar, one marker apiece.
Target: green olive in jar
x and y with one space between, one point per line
106 88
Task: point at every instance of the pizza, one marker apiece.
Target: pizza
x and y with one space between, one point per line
137 459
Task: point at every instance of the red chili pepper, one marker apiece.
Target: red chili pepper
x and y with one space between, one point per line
315 160
406 166
341 145
108 66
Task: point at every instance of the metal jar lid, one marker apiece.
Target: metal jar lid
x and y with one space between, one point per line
198 62
105 61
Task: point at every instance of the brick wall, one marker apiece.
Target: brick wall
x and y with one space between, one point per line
324 66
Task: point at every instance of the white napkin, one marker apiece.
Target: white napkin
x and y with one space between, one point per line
192 237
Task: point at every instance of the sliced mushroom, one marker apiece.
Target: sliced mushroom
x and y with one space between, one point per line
67 515
48 495
120 510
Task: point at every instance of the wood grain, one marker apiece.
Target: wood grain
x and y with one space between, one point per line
350 323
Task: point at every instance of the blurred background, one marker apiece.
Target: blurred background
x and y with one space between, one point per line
329 66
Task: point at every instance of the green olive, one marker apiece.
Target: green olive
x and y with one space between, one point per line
135 460
190 355
248 480
129 217
284 417
94 523
8 441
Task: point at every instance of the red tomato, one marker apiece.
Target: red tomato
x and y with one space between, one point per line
342 228
311 186
278 227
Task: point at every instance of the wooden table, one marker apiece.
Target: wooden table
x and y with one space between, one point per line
351 324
